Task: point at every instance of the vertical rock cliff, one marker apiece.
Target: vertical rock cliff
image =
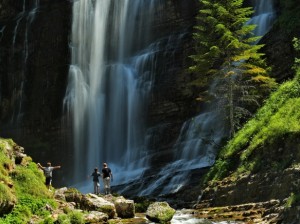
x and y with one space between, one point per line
34 63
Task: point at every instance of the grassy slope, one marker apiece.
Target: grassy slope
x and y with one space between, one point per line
23 184
276 122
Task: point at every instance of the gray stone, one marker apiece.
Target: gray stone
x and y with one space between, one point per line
125 208
160 212
92 202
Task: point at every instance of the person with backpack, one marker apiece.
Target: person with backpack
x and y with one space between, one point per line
107 177
48 173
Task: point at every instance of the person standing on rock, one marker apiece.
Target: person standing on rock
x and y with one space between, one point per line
48 173
107 177
96 182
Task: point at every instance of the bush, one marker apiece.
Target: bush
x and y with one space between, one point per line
76 217
63 219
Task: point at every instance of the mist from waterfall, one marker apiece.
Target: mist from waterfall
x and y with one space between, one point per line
200 136
109 83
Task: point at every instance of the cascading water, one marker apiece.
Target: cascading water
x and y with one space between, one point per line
109 83
199 137
263 17
29 16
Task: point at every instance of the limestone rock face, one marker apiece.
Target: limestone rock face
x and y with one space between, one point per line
125 208
95 217
160 212
92 202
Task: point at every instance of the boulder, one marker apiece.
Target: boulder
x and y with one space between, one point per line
160 212
95 217
73 195
92 202
125 208
60 194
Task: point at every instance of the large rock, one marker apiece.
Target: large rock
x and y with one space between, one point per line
73 195
95 217
125 208
92 202
160 212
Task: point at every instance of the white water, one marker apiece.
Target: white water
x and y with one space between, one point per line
264 16
109 83
200 136
18 91
183 217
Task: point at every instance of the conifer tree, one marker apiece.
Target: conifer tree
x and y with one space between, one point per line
225 49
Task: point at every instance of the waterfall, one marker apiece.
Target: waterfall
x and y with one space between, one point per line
264 16
109 82
200 136
18 92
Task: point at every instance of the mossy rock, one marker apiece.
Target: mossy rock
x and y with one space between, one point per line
160 212
73 195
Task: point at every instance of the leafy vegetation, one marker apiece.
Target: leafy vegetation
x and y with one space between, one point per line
225 50
292 200
73 217
22 185
278 119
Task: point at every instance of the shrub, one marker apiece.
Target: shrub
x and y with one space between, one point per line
63 219
76 217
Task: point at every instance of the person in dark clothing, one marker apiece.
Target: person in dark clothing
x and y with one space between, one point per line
96 181
107 177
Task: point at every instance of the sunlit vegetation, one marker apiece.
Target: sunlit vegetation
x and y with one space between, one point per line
226 50
23 185
277 120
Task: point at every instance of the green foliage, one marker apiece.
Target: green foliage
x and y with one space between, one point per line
47 220
76 217
73 217
225 49
26 207
6 194
24 185
29 180
292 200
63 219
296 44
277 119
219 170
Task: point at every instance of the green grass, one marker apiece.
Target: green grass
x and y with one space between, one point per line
24 185
279 118
292 200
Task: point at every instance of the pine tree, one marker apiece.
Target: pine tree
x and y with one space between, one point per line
225 49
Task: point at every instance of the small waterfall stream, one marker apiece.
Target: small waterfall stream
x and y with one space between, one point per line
263 17
28 16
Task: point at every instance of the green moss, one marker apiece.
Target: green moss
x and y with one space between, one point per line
29 180
6 194
26 207
142 203
76 217
63 219
24 185
292 200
